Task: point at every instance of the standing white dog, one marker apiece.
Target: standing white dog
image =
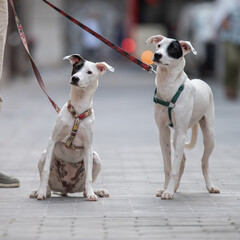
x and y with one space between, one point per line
182 104
69 164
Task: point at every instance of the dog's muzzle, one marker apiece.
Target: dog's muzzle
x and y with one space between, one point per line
157 57
74 81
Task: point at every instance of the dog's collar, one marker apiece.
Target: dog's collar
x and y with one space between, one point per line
77 119
171 104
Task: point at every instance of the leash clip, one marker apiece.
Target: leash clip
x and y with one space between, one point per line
152 70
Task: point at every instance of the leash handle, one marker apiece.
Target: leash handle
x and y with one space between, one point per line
101 38
35 69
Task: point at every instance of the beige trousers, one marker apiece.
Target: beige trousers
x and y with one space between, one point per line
3 33
232 64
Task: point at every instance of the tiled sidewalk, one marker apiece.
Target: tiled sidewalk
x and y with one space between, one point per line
127 141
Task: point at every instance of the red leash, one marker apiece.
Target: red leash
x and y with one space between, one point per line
107 42
35 69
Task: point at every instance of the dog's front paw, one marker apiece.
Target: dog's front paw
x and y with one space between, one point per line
92 198
213 190
166 196
40 194
102 193
33 194
159 193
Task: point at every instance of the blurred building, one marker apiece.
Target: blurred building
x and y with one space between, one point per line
51 36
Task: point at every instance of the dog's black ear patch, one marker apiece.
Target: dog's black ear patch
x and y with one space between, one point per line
174 50
78 66
76 58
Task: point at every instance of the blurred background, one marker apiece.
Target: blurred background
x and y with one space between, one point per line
125 134
127 23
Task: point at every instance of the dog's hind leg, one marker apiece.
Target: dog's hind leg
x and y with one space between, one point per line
96 169
97 164
207 126
40 168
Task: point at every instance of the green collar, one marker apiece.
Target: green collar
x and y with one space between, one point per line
171 104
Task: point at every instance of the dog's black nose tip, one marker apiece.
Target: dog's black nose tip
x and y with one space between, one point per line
75 80
157 56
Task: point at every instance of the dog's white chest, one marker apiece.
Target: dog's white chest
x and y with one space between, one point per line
63 131
68 155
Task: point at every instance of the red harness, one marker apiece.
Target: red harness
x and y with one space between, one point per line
77 119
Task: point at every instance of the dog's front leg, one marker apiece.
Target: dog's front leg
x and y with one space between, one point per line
180 143
164 137
44 176
88 163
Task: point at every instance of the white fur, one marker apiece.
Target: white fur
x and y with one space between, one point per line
194 105
82 99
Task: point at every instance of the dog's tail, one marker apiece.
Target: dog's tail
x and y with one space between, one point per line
192 143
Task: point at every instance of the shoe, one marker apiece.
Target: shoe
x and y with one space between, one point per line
8 182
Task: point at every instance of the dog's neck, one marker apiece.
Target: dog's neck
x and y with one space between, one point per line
169 79
81 98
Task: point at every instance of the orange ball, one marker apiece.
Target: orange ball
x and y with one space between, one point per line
147 56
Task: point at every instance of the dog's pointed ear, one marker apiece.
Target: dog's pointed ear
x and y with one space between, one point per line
102 67
74 58
155 39
187 47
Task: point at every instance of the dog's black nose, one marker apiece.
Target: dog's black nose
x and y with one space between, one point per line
157 56
75 80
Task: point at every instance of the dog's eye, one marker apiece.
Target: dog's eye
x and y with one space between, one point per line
159 45
89 72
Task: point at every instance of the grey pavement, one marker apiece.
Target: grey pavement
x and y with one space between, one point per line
126 139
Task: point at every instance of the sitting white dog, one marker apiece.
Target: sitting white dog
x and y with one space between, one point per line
182 104
69 164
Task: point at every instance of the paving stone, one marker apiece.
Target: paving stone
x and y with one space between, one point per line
126 139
